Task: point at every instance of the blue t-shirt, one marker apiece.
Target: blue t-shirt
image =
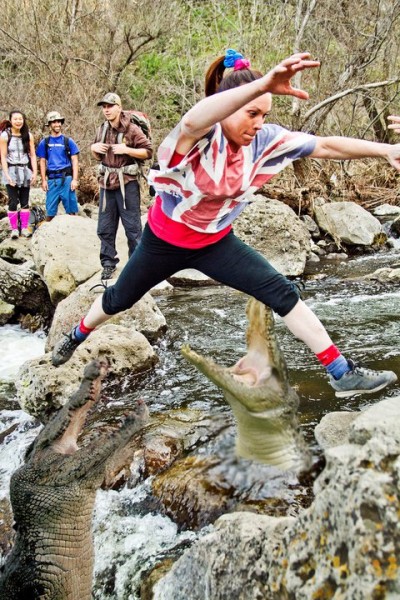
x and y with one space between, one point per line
57 158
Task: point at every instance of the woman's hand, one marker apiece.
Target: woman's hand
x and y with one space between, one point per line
393 155
277 81
396 123
10 181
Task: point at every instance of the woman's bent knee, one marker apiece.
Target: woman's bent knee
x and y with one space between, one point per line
284 298
114 302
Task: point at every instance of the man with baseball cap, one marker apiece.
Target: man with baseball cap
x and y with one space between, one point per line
110 98
58 163
118 146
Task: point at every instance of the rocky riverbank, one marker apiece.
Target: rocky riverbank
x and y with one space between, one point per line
167 440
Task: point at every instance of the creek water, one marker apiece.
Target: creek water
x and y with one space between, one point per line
131 536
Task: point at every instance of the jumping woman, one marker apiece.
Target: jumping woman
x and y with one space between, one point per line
219 154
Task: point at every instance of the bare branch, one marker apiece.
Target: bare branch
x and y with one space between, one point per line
29 50
354 90
88 62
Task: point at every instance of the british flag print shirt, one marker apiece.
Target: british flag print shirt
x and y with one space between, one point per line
211 185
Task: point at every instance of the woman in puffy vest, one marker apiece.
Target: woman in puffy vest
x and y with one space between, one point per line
19 165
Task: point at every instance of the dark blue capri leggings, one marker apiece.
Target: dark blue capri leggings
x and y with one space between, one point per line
229 261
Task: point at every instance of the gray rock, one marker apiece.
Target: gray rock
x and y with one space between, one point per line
334 428
348 222
66 253
274 229
385 210
346 545
6 312
41 388
144 316
384 275
190 278
226 564
311 226
21 286
336 256
17 251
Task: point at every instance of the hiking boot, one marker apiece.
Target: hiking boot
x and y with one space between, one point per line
361 381
107 272
26 233
65 348
14 234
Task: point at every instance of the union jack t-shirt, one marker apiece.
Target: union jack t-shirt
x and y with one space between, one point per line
211 185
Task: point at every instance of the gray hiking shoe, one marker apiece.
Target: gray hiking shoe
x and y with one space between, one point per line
107 272
361 381
64 349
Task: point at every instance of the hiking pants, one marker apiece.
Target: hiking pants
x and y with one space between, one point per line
111 209
17 195
59 190
229 261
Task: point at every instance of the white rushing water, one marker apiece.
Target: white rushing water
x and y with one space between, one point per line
17 346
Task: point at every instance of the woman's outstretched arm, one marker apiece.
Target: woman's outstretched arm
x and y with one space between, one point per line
199 119
343 148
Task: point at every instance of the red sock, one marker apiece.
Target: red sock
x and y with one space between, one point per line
328 355
84 329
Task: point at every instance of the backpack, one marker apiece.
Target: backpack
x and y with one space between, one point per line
66 146
138 118
36 218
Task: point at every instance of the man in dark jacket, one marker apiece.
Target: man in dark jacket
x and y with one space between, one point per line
119 145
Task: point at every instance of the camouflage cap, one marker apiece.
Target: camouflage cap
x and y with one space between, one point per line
53 115
110 98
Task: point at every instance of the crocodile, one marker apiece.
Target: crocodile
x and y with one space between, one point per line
53 495
262 401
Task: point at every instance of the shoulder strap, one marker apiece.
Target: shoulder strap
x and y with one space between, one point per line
46 146
105 127
67 148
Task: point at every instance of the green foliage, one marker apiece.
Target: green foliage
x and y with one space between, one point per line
64 54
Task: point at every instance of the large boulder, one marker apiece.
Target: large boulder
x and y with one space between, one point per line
42 388
227 563
345 545
22 287
347 222
66 253
144 316
384 275
274 229
16 251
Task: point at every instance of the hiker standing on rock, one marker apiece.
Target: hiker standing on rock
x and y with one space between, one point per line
119 145
221 152
19 165
59 166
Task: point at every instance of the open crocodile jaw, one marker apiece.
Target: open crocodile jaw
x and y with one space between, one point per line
260 396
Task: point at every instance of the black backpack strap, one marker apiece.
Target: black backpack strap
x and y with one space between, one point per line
46 147
67 148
